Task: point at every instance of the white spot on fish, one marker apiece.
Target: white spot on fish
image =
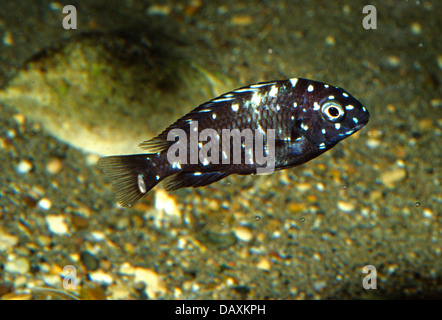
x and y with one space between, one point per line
349 107
141 184
278 107
157 177
363 109
295 104
324 131
292 117
344 94
331 97
316 106
235 107
349 132
310 88
176 165
326 85
256 98
214 116
197 174
294 81
337 126
273 91
259 85
245 90
322 146
304 126
355 120
222 99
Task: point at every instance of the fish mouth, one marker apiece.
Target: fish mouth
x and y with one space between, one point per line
363 120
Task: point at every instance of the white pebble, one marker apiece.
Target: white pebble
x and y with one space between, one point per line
7 241
19 265
428 213
100 277
165 202
373 143
45 204
24 167
57 225
243 234
346 206
154 284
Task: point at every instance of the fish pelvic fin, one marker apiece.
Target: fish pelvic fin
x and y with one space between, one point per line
132 176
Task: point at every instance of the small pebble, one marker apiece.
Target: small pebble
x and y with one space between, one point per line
98 235
7 39
243 234
55 6
428 214
19 265
320 186
346 9
346 206
24 167
100 277
7 241
54 166
19 118
319 285
154 284
89 260
45 204
263 264
393 61
391 177
242 20
158 10
303 187
416 28
330 40
372 143
91 159
163 201
56 224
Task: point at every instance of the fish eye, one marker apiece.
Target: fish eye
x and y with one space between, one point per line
332 111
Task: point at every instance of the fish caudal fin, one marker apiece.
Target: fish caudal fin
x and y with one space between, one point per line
132 176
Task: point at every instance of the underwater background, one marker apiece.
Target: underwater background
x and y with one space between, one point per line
131 68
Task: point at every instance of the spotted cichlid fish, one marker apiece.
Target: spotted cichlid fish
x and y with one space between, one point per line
277 125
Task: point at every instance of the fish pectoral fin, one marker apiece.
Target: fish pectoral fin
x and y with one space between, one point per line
192 179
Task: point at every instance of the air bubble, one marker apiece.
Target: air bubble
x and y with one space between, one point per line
417 204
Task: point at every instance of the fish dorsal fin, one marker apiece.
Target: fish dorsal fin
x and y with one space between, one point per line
202 112
160 143
193 179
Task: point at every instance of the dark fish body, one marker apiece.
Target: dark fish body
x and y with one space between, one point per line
296 119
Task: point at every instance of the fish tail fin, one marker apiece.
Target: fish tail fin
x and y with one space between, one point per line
132 176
